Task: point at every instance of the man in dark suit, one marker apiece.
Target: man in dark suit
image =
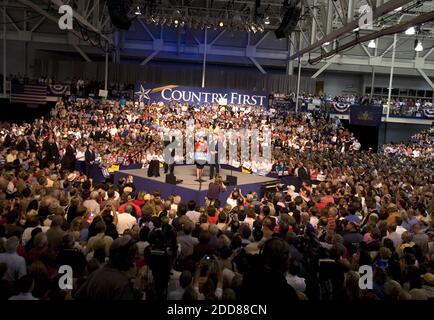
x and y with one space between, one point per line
89 159
68 161
54 151
303 172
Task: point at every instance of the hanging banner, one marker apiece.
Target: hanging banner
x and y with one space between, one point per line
341 107
148 93
366 115
58 90
428 112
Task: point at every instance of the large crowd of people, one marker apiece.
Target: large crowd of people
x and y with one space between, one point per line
355 208
420 144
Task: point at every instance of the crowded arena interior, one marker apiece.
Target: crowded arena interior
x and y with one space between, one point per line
255 150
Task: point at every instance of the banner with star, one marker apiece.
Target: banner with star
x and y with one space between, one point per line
148 93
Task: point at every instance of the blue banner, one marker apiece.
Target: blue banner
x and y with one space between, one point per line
148 93
366 115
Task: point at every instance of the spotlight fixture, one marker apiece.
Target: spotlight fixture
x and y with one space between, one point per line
418 46
326 43
138 12
371 44
410 31
176 21
267 20
221 24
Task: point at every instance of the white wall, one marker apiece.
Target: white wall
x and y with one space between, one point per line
341 83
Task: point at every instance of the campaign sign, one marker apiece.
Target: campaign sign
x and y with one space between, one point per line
148 93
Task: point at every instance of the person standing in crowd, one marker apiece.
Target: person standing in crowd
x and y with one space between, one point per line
89 158
215 188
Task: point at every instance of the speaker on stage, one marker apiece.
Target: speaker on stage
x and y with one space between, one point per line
154 168
231 180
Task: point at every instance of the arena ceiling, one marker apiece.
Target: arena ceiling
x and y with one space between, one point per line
324 28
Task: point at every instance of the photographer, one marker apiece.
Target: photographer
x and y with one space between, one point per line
214 190
205 283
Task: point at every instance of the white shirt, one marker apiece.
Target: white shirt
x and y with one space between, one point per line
296 282
395 237
193 216
80 155
27 234
231 202
400 230
314 221
125 221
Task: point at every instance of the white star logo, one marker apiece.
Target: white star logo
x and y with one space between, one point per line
143 93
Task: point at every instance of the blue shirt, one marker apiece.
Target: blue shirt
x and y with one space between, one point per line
353 218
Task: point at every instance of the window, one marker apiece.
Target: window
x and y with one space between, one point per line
378 90
421 93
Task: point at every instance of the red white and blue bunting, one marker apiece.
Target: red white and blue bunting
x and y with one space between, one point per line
429 112
58 89
341 106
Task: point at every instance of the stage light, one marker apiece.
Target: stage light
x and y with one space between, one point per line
371 44
267 20
176 22
326 43
138 12
221 24
410 31
418 46
398 9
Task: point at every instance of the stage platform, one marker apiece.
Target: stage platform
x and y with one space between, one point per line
190 189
